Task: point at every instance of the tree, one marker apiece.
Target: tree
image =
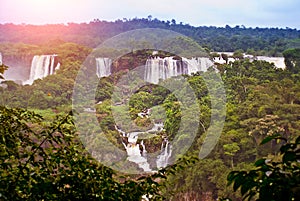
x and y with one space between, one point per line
225 57
230 150
238 54
292 60
46 161
2 69
275 179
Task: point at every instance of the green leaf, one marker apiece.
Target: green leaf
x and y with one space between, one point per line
244 189
269 138
298 140
289 157
239 180
260 162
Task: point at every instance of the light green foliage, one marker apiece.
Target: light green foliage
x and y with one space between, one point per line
140 101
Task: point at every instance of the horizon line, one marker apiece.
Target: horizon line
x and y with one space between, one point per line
241 26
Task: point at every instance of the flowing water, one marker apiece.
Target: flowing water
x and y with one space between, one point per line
41 66
139 156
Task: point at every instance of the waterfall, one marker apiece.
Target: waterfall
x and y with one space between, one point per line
134 152
144 148
0 59
57 67
197 64
103 67
138 156
41 66
278 61
166 152
163 68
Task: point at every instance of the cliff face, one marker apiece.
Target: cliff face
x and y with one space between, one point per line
137 58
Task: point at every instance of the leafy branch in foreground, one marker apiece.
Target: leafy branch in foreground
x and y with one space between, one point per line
276 179
46 161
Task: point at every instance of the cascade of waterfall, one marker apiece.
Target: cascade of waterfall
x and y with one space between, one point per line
57 67
166 152
164 68
0 58
144 148
197 64
41 66
134 153
103 67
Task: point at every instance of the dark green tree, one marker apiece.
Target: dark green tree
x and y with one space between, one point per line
275 179
292 60
46 161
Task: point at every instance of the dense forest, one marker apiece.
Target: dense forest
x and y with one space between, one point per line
263 41
43 154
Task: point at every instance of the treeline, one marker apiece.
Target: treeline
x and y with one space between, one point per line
265 41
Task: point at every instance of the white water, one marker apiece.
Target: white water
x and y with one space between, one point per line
163 68
0 58
278 61
103 67
138 156
166 152
57 67
159 68
41 66
197 64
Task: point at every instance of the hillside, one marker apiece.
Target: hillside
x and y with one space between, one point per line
265 41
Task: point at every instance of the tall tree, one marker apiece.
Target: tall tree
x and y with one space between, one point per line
292 59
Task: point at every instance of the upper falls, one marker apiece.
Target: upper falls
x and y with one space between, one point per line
160 68
41 66
103 67
163 68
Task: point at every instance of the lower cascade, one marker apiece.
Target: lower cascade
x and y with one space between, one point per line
139 156
166 152
41 66
103 67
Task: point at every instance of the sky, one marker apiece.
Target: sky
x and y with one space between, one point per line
251 13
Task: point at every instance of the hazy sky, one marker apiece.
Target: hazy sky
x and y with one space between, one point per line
261 13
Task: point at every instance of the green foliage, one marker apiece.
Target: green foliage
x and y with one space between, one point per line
139 102
173 116
276 179
270 41
46 161
261 101
292 59
238 54
2 69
